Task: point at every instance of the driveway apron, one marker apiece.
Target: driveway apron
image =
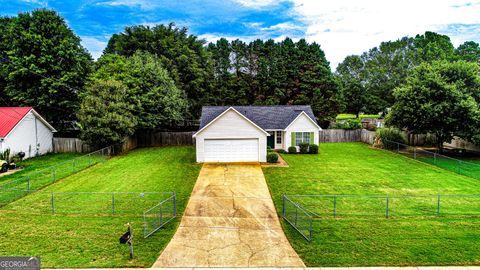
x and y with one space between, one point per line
230 221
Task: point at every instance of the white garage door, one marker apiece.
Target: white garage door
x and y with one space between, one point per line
231 150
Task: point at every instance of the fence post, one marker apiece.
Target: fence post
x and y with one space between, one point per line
296 215
334 205
113 203
144 226
310 230
435 158
73 166
438 206
174 204
459 166
28 184
398 148
386 208
161 214
283 205
414 152
53 204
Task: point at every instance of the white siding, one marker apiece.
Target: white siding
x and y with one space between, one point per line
301 124
29 132
231 125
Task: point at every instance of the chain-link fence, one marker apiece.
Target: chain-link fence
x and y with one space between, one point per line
301 210
159 215
85 203
298 217
462 167
34 181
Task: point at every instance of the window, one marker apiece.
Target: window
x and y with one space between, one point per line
279 137
302 137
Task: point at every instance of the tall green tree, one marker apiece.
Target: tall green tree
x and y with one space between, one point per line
153 94
469 51
183 55
350 74
43 65
106 115
440 98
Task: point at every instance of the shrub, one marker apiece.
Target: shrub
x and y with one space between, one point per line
281 151
269 148
313 149
272 157
348 124
292 150
389 135
304 148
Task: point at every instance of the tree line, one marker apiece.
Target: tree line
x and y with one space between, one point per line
148 77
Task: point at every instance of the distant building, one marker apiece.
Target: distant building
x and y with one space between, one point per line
22 129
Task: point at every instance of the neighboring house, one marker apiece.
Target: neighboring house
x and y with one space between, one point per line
22 129
375 122
242 133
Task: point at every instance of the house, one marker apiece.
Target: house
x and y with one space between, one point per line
22 129
242 133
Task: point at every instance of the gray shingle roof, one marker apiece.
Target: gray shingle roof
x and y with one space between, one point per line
266 117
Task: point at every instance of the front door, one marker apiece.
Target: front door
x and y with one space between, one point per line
271 140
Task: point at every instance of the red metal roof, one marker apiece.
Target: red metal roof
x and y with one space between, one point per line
9 118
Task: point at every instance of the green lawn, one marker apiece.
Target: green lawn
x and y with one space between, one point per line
38 163
85 233
360 235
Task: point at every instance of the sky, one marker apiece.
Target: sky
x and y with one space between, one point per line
341 27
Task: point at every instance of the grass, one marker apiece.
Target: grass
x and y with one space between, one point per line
361 235
84 236
345 116
37 163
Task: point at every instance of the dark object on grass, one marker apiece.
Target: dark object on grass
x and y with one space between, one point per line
12 166
292 150
3 166
21 155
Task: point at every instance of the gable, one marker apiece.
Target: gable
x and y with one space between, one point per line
10 117
231 123
303 123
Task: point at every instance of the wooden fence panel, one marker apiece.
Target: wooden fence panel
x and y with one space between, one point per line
70 145
340 135
159 138
367 136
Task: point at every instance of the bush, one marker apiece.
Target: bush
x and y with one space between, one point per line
303 148
272 157
292 150
389 135
313 149
281 151
347 124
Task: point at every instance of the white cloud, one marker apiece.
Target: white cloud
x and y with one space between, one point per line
95 45
143 4
283 27
256 3
345 27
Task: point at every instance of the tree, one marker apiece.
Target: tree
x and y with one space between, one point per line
105 114
156 100
184 56
43 65
469 51
350 73
439 98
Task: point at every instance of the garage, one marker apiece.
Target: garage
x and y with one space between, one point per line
231 150
229 136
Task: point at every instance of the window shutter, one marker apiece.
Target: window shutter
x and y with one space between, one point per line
293 139
311 138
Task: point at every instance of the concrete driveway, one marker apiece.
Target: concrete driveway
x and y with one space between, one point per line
230 221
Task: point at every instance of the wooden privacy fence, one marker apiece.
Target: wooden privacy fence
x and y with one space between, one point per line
158 138
343 135
70 145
